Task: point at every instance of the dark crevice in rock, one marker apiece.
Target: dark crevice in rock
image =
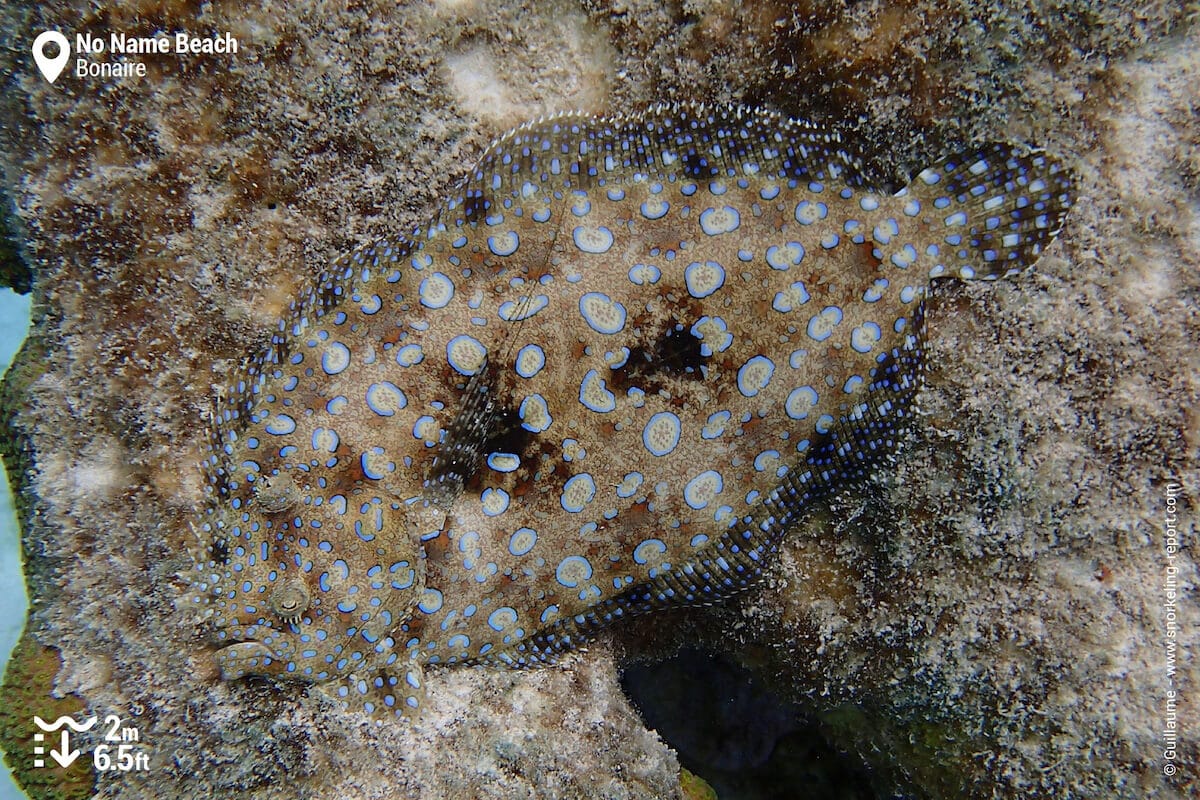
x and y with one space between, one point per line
744 740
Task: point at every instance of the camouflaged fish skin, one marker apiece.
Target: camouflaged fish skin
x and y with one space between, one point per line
610 374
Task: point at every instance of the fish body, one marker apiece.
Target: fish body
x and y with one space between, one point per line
607 377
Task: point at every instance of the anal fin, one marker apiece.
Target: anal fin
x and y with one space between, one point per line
396 692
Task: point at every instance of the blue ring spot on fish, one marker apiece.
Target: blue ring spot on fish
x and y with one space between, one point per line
821 326
767 460
789 299
335 358
572 571
703 279
808 212
755 375
426 429
643 274
714 428
785 257
372 305
519 312
522 541
325 440
504 244
595 240
875 292
602 313
716 221
649 550
280 425
661 434
503 462
581 206
466 354
800 401
375 463
385 398
594 395
578 491
436 291
404 575
702 489
494 501
629 484
410 355
431 601
530 360
655 208
864 337
502 618
713 334
535 414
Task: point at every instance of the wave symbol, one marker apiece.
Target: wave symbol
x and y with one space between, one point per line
68 721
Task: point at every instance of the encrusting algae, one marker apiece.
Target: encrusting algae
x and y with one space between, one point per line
607 377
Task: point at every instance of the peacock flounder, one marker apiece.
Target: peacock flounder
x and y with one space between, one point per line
610 374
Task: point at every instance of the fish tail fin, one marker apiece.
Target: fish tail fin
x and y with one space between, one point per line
993 211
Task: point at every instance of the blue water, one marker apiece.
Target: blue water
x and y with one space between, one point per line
14 322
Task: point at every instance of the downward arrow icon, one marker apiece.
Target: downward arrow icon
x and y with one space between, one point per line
67 756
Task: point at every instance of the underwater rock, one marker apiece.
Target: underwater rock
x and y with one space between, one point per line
988 621
14 272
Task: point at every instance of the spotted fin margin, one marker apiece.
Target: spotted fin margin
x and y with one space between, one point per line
1000 209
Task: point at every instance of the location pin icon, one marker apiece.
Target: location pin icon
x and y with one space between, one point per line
51 67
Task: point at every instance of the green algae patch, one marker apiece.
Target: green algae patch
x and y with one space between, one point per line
694 787
16 449
28 683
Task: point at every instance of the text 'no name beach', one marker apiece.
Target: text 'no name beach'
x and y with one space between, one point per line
88 45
